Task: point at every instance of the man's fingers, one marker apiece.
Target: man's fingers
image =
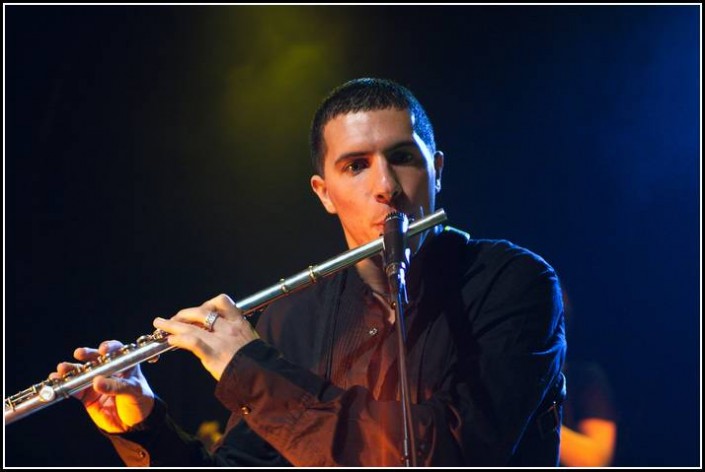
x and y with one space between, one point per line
111 385
109 346
195 316
224 306
63 368
204 316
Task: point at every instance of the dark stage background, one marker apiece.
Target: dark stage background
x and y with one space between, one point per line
157 156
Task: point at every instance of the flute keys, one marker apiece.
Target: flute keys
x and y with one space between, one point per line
71 373
127 348
159 335
47 394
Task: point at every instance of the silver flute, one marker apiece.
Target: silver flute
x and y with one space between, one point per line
149 347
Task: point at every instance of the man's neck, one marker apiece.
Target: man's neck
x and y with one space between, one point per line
372 273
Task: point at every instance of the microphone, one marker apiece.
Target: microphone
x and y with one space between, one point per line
396 253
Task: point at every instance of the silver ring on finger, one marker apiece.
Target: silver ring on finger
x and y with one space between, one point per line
210 320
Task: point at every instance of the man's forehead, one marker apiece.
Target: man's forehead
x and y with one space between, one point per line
393 117
361 132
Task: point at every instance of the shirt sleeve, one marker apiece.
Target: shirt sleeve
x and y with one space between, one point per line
515 364
159 442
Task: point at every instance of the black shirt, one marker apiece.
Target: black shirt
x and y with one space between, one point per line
485 348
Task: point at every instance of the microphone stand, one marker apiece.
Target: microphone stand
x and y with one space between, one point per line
395 266
409 446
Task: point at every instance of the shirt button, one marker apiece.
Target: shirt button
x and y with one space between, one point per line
373 331
245 410
142 454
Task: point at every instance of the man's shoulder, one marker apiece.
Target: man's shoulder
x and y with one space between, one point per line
505 249
494 252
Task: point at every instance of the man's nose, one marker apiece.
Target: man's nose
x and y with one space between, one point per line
386 183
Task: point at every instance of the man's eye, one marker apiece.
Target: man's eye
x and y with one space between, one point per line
402 158
355 166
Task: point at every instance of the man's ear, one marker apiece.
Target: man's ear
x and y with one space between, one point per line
438 159
318 184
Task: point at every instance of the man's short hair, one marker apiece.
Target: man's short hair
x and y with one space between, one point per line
366 94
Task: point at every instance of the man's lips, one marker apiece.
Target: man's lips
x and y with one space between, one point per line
381 220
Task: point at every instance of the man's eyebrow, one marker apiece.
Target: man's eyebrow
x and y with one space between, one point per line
349 155
402 144
394 147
